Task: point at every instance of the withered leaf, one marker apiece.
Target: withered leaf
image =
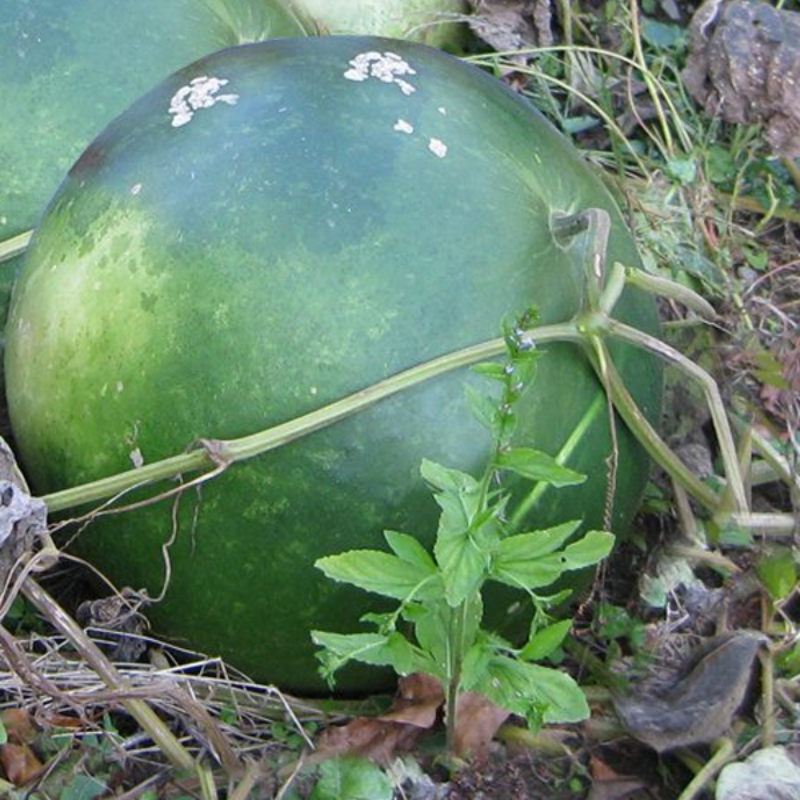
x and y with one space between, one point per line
701 704
477 721
20 763
18 725
369 737
419 697
513 24
413 712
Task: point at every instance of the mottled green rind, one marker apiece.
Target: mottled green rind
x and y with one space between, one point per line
277 254
67 69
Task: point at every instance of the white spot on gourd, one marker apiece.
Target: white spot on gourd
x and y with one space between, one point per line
385 67
136 188
437 147
137 459
401 126
200 92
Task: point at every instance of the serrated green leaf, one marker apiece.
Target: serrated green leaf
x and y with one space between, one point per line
537 466
351 779
484 409
683 170
545 641
431 632
378 572
463 564
778 573
524 366
590 550
444 478
478 657
530 560
385 622
534 691
433 625
409 549
368 647
493 370
379 650
537 543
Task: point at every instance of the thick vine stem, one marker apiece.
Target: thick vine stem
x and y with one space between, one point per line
14 246
590 329
716 407
214 451
596 224
671 290
723 752
652 442
603 290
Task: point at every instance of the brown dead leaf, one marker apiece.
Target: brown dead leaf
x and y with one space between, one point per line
419 697
412 714
700 704
20 763
368 737
617 789
513 24
602 771
63 721
18 725
477 721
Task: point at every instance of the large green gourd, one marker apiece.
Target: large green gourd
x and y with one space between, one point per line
269 230
68 67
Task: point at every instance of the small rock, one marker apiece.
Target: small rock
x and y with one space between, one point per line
770 773
744 66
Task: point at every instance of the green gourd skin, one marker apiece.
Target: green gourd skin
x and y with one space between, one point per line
306 234
67 69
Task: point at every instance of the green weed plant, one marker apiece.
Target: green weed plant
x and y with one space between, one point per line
437 625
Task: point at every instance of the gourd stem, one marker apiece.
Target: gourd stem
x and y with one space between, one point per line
716 407
647 436
232 450
14 246
663 287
